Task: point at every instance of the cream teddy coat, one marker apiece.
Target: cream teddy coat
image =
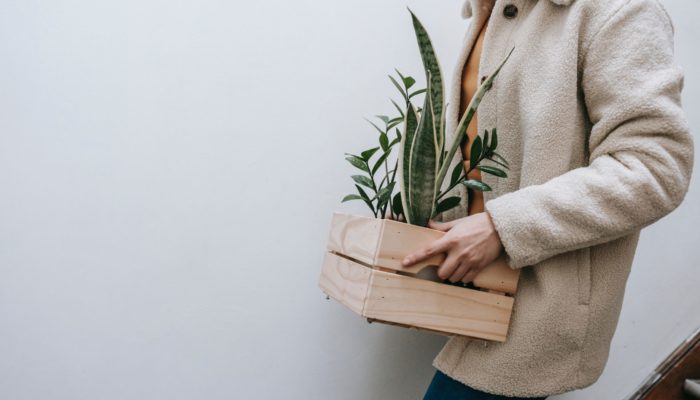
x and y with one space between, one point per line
588 112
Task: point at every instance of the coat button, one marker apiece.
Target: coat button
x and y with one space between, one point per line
510 11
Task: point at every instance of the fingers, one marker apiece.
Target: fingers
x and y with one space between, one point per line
470 275
459 273
441 226
437 247
449 266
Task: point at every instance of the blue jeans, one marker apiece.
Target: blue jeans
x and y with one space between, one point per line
442 387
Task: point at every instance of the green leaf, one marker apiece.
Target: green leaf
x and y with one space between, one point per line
404 163
366 198
432 69
363 180
398 86
392 123
367 154
351 197
383 118
398 108
494 140
408 82
500 157
475 152
380 161
477 185
447 204
456 173
423 161
385 194
384 141
417 92
358 162
375 126
485 142
493 171
397 205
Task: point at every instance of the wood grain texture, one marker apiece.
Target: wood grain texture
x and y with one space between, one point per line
384 243
404 300
435 306
345 281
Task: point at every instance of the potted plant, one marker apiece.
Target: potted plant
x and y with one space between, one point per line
362 267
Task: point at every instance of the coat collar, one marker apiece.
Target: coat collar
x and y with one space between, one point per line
467 7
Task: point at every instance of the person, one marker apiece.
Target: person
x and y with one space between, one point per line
588 114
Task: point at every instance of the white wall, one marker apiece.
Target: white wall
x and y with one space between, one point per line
168 170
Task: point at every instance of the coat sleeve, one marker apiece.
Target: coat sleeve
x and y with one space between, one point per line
641 150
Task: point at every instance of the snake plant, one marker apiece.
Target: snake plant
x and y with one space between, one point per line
423 162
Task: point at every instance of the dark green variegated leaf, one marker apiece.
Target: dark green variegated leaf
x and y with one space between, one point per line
404 163
475 152
456 173
447 204
477 185
380 161
423 160
384 141
351 197
493 171
432 70
367 154
358 162
363 180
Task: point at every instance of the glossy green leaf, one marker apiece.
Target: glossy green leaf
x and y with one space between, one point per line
397 205
384 141
358 162
493 171
447 204
380 161
477 185
363 180
367 154
351 197
457 173
475 152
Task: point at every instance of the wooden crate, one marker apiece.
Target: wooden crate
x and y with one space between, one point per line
362 270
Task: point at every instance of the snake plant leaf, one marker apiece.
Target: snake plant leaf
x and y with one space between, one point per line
358 162
447 204
433 74
380 161
461 130
475 152
351 197
367 154
364 181
456 173
423 162
493 171
396 204
404 165
477 185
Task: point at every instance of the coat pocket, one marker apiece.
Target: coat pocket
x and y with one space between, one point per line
584 276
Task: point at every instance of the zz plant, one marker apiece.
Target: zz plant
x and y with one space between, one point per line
422 163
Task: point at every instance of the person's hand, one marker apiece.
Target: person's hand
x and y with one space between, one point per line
471 243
